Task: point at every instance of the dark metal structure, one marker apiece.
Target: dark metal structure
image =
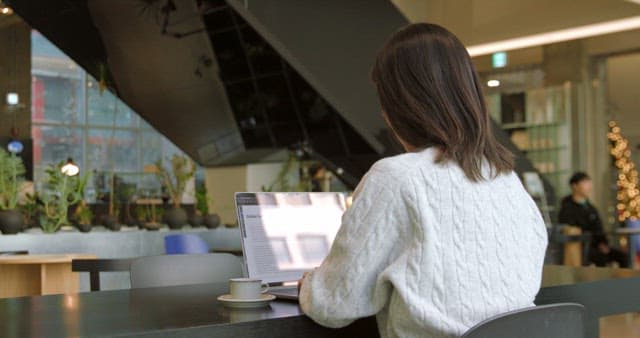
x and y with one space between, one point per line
230 81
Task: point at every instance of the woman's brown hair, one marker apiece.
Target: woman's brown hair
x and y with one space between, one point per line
431 96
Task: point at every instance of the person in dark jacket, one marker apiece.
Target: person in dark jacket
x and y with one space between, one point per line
576 210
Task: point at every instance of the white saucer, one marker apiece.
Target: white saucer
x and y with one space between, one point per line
246 303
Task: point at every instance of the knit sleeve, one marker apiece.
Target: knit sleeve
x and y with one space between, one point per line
348 284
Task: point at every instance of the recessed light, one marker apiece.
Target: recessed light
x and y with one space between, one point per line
493 83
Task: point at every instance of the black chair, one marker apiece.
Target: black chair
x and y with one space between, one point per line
169 270
564 320
95 266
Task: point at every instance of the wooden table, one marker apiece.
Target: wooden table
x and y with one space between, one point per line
193 311
30 275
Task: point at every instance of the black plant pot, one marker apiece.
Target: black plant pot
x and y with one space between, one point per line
152 226
176 218
83 227
111 222
131 222
212 221
196 221
11 221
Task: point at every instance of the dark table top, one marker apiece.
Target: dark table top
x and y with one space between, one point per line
178 311
194 311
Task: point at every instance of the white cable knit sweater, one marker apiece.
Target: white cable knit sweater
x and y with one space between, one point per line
429 252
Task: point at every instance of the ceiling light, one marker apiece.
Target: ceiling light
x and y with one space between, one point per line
13 99
574 33
5 10
70 168
493 83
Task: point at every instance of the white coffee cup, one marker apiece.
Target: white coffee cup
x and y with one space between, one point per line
247 288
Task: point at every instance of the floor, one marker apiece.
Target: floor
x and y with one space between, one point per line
620 326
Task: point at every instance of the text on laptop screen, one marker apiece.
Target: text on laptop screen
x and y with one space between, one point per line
286 234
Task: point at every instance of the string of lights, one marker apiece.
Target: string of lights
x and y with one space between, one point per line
628 196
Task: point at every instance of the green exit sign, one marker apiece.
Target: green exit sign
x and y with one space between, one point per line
499 59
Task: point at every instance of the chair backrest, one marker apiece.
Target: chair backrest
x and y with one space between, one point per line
185 244
564 320
169 270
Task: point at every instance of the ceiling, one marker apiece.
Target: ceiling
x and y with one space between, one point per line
482 21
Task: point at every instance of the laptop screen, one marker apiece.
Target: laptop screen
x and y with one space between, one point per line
287 234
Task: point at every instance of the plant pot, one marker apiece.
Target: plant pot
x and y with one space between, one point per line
11 221
196 220
131 222
152 226
176 218
212 221
83 227
111 222
140 223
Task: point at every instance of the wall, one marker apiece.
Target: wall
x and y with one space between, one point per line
222 183
261 175
15 75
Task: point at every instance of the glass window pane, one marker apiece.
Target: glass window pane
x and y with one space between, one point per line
56 100
57 91
71 118
151 142
52 144
105 109
122 155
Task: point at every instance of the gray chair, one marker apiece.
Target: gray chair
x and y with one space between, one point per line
169 270
563 320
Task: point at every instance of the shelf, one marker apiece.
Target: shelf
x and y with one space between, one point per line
535 150
528 125
556 172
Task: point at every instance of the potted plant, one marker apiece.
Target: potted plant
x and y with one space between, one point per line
29 209
127 193
175 181
201 207
147 216
11 171
82 215
211 221
62 192
110 220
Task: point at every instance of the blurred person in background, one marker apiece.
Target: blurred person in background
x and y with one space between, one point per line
576 210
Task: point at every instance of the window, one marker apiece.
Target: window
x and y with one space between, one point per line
71 118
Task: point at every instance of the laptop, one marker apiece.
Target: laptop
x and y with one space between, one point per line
286 234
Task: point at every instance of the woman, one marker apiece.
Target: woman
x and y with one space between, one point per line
444 236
